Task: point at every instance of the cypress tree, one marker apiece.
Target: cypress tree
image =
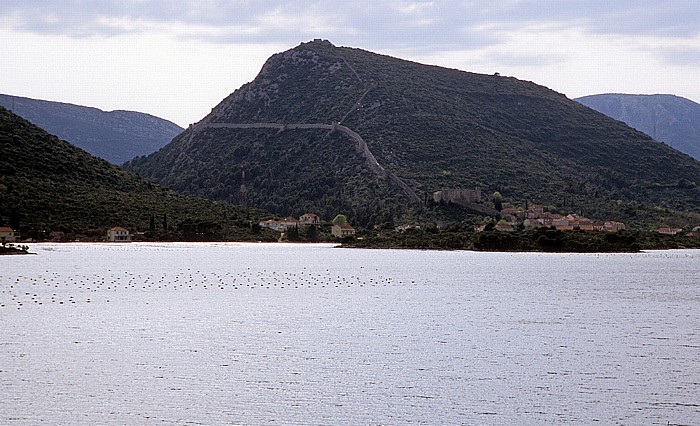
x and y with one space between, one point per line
14 219
497 201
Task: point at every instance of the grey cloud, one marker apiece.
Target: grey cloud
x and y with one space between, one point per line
681 56
525 59
416 25
391 24
671 18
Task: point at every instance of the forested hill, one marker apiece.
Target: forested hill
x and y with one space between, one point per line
421 128
667 118
47 184
116 136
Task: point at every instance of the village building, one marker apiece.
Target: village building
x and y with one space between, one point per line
513 214
535 211
270 224
532 223
612 226
309 219
458 196
589 226
584 223
668 231
119 234
406 227
290 222
343 230
511 219
8 235
547 219
695 232
562 222
504 227
280 225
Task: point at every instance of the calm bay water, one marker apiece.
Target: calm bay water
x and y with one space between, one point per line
310 334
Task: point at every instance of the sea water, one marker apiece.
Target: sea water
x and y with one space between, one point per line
312 334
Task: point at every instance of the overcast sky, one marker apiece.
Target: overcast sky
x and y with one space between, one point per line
178 59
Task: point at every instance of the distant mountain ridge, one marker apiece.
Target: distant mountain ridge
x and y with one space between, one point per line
116 136
47 184
424 128
671 119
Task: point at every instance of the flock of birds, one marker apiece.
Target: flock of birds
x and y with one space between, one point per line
57 288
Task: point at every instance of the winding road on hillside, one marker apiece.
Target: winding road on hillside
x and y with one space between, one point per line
361 146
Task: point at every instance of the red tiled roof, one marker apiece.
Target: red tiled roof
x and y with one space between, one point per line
6 229
118 228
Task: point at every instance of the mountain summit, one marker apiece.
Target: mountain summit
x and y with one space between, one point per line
336 129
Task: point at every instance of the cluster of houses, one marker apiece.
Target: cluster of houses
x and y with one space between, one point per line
119 234
512 217
535 216
342 230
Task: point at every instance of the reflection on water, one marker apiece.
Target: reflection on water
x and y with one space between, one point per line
309 334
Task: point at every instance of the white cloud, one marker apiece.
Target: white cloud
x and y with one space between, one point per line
303 22
180 80
186 30
413 7
576 63
179 59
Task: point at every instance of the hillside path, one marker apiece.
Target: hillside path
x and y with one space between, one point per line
360 145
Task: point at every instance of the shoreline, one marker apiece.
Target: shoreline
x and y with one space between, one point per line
13 251
47 246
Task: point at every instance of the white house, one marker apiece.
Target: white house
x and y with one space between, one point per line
119 234
280 225
309 219
8 235
343 230
668 231
289 222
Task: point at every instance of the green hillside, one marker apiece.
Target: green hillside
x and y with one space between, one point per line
47 184
427 128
